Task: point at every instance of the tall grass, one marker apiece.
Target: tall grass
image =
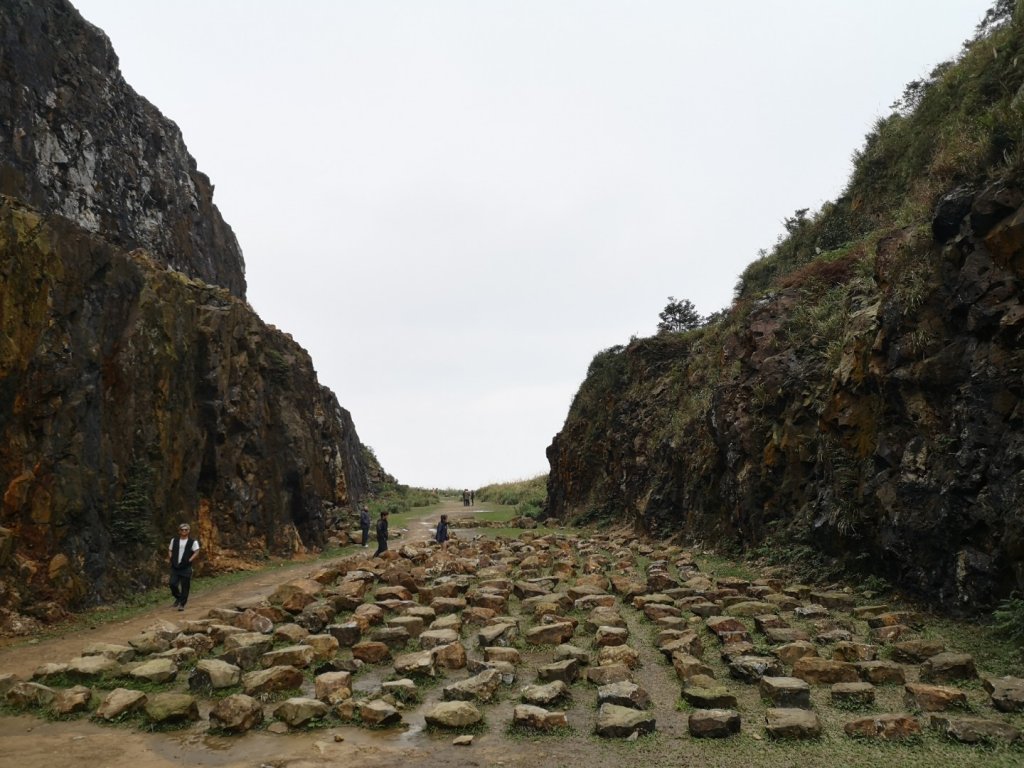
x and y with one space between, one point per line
527 496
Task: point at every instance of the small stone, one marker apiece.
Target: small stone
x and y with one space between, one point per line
892 727
786 692
948 667
818 671
300 711
625 694
463 741
1007 693
709 698
379 713
453 714
855 694
537 718
236 713
789 723
713 723
934 698
975 730
619 722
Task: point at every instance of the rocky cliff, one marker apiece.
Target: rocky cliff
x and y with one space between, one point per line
137 387
861 399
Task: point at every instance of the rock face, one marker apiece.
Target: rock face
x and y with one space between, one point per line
137 386
865 403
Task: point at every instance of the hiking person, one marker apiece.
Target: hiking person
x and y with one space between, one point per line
183 552
472 497
364 523
382 533
441 535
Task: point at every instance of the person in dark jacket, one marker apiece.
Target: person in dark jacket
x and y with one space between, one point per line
184 551
364 523
441 536
382 533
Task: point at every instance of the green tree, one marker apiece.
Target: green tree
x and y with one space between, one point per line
679 315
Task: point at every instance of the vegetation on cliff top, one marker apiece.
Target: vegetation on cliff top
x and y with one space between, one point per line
526 496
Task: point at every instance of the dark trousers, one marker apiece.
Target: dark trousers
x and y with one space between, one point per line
382 545
366 534
181 580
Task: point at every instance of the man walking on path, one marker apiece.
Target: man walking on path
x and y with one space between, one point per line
364 523
183 551
382 533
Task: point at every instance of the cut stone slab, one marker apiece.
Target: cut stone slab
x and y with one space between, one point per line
890 727
687 667
333 687
855 694
948 667
496 634
609 673
122 654
717 723
403 690
453 714
91 668
611 636
709 698
498 653
453 656
481 687
544 695
569 651
325 647
298 656
789 653
537 718
270 680
624 694
567 671
750 669
419 663
347 634
786 692
371 651
881 672
614 721
299 711
171 708
29 695
69 701
155 671
975 730
818 671
379 713
1007 693
792 723
934 698
550 634
916 651
120 702
786 635
854 652
213 675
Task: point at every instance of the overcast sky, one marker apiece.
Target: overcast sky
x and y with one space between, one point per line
454 205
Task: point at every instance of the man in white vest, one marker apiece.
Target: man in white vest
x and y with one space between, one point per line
183 550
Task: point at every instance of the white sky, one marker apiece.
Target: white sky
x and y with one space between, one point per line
454 205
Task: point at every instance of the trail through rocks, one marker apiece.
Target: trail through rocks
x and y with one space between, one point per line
565 649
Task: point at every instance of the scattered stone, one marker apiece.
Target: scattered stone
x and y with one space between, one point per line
70 701
614 721
881 672
934 698
29 695
1007 693
171 708
498 653
92 668
421 663
298 656
975 730
463 741
453 656
371 651
624 694
567 671
299 711
270 680
155 671
948 667
811 611
333 687
122 654
537 718
750 669
213 675
545 695
378 713
120 702
818 671
916 651
347 634
789 653
717 723
854 652
787 692
891 727
717 697
453 714
403 690
569 651
550 634
607 636
789 723
609 673
619 654
481 687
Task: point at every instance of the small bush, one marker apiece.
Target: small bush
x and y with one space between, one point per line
1009 619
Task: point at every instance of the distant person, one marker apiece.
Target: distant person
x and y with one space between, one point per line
382 533
441 535
465 498
472 497
184 551
364 523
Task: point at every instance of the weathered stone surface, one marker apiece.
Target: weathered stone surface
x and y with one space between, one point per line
625 694
155 671
26 695
122 654
236 713
620 722
545 695
750 669
619 654
120 702
69 701
889 727
271 680
934 698
299 711
854 652
498 653
324 647
481 687
171 708
611 636
881 672
715 723
975 730
347 634
717 697
609 673
1007 693
537 718
818 671
550 634
371 652
88 668
453 714
333 687
785 692
496 634
567 671
451 656
402 690
789 723
417 663
948 667
916 651
298 656
687 666
789 653
379 713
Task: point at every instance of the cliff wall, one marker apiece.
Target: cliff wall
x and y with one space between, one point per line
860 402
